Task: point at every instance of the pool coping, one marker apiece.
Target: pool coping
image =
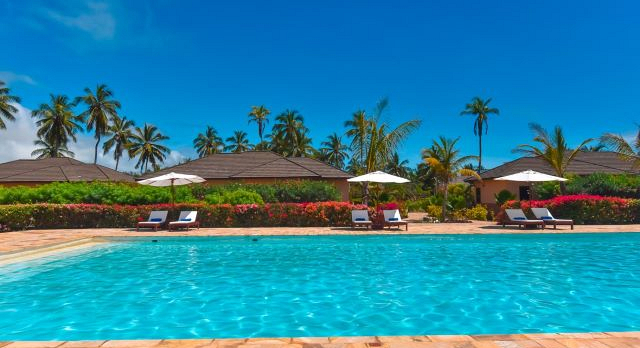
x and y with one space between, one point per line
543 340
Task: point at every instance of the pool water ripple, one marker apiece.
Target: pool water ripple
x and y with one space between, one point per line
326 286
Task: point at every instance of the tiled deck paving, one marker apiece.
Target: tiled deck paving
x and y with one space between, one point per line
21 240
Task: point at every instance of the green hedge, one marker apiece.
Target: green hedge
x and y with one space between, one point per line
134 194
601 184
46 216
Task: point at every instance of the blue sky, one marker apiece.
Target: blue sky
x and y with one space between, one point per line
184 64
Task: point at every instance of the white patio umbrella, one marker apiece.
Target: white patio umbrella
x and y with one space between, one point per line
530 176
172 179
379 177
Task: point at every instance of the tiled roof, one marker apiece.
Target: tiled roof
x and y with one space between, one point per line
583 164
57 169
255 164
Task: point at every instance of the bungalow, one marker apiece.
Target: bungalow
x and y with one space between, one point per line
584 163
32 172
260 167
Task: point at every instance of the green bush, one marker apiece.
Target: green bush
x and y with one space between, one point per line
461 196
240 196
478 212
611 185
504 196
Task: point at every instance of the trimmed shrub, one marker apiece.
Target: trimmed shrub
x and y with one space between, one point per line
478 212
239 196
584 209
44 216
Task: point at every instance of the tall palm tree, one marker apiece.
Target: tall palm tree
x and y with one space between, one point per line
259 114
101 109
289 135
357 130
334 151
238 142
398 167
629 151
7 110
553 149
445 161
56 121
208 143
48 150
481 110
145 144
120 132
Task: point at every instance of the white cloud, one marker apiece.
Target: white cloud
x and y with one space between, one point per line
8 77
96 20
17 140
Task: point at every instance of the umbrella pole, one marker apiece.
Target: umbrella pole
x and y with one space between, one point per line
173 193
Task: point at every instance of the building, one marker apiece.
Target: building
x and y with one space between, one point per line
43 171
584 163
260 167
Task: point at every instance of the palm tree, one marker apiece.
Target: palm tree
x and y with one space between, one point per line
121 135
238 142
481 110
208 143
48 150
289 136
357 130
334 151
101 109
445 161
56 121
259 114
7 110
553 149
397 167
628 151
145 144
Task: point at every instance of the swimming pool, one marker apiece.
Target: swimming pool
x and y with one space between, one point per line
189 287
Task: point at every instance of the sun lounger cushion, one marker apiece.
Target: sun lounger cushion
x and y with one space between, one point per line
186 219
155 220
547 218
393 219
519 218
361 219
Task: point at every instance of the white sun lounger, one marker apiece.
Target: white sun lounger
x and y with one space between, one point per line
545 215
187 219
360 218
393 218
157 218
517 217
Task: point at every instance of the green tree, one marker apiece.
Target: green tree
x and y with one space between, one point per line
259 115
120 133
101 109
334 151
553 149
47 150
627 150
7 110
397 167
145 144
238 142
208 143
357 130
445 161
289 135
56 122
481 110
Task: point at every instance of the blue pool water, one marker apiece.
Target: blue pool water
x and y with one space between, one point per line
326 286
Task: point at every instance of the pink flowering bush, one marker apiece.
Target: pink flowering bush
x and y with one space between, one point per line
44 216
584 209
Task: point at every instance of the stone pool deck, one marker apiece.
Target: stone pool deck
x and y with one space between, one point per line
578 340
18 241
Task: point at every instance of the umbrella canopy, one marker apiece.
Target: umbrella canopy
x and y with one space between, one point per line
172 179
530 176
380 177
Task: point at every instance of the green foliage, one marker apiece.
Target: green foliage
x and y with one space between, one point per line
460 196
478 212
621 185
240 196
504 196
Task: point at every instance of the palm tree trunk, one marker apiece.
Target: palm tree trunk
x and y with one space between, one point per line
563 188
480 150
117 161
95 156
365 193
445 201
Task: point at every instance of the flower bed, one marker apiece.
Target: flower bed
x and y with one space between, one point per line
584 209
46 216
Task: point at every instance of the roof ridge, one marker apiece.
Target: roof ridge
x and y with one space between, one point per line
327 164
303 167
604 166
63 173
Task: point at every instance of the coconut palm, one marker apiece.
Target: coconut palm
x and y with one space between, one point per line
120 133
145 144
101 109
56 121
7 110
48 150
553 149
238 142
629 151
398 167
445 161
333 151
357 130
208 143
259 114
289 134
481 110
